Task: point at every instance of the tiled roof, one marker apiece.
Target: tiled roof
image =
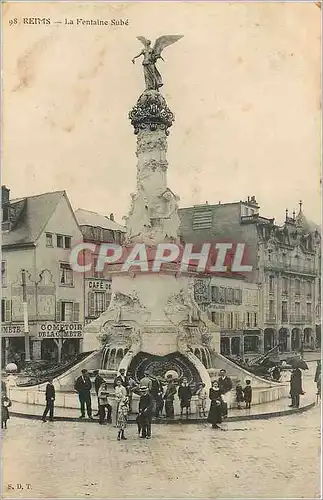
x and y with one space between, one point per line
93 219
35 213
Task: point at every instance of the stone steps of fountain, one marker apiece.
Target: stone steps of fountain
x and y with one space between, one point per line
65 399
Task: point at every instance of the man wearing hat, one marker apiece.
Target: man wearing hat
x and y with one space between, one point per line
145 413
123 377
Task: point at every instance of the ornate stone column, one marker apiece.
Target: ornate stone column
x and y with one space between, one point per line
153 216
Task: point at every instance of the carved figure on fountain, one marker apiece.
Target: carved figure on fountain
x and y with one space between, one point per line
138 220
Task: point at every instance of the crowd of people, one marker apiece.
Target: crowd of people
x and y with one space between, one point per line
157 396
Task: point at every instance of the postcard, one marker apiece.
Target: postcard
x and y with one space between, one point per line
161 250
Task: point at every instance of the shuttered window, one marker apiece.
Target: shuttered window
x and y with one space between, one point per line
97 303
67 311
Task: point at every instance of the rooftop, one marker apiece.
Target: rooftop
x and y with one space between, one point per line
93 219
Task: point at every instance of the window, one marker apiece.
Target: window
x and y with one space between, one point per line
3 273
230 321
49 240
271 284
297 286
230 295
66 275
271 309
248 315
63 241
214 317
95 273
60 241
214 293
97 303
97 233
237 321
308 289
68 311
254 319
269 255
284 312
221 294
5 310
67 241
285 286
308 310
221 320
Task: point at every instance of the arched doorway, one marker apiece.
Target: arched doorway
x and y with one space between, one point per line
296 339
283 333
308 338
269 339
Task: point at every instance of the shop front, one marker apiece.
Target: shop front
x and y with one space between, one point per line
59 342
13 343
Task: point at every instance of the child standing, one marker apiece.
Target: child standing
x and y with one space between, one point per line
239 394
202 396
247 391
123 410
5 404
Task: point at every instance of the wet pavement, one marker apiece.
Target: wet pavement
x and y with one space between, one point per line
277 458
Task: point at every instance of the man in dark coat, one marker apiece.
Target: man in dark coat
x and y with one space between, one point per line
145 413
185 396
50 399
169 398
296 387
157 392
225 386
98 381
83 386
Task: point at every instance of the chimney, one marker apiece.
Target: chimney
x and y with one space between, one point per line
5 195
111 217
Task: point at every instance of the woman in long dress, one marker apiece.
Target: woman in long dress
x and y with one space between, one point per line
215 413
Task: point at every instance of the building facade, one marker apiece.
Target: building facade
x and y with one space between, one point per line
97 229
38 233
286 268
233 304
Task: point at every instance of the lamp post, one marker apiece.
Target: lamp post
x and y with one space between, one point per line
25 312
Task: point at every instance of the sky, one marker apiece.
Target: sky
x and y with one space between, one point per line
243 83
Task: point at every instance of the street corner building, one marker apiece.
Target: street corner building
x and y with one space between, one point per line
38 233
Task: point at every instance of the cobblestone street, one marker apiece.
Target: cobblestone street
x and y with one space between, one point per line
272 458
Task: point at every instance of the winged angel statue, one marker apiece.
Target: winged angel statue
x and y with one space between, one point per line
153 78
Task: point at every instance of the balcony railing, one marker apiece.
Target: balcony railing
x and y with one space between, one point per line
292 268
297 318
